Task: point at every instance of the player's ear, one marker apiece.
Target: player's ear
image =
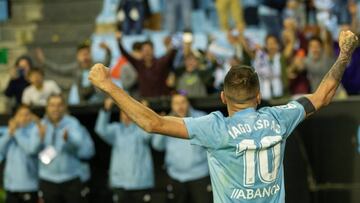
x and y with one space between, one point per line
223 98
258 98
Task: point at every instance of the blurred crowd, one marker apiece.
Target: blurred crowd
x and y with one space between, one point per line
48 159
299 47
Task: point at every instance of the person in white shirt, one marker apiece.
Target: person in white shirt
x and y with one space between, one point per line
37 93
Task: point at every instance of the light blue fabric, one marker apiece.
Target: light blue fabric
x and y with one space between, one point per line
155 6
178 15
85 82
21 166
74 97
184 162
245 151
108 12
131 166
85 172
3 130
4 13
67 164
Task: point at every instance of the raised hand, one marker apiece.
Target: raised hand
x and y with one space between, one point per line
12 126
39 55
108 103
118 35
348 41
13 73
104 46
352 8
100 76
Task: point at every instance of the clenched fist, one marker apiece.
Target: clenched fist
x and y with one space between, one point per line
100 76
348 41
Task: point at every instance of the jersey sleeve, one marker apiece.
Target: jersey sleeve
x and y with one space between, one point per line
289 116
204 130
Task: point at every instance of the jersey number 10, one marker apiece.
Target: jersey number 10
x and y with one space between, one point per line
252 155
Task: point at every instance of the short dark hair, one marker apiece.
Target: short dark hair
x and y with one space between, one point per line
136 46
241 84
191 56
316 38
147 42
179 92
61 96
272 36
24 57
19 107
36 70
83 45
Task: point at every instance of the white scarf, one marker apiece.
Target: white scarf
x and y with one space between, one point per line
269 75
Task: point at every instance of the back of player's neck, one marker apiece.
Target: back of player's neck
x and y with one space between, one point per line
232 109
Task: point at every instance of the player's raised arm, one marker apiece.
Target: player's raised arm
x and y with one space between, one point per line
140 114
348 41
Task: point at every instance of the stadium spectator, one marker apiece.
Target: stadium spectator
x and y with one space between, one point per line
124 72
242 51
177 11
188 170
235 7
18 81
38 92
21 165
190 78
242 96
211 64
131 15
61 154
152 72
318 60
324 11
298 80
293 34
131 167
221 70
270 15
77 72
270 64
295 10
183 51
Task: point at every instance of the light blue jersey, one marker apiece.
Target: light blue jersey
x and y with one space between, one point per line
131 165
21 165
191 164
67 164
85 172
246 151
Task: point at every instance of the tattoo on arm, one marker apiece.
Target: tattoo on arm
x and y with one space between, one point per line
347 46
337 70
327 89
